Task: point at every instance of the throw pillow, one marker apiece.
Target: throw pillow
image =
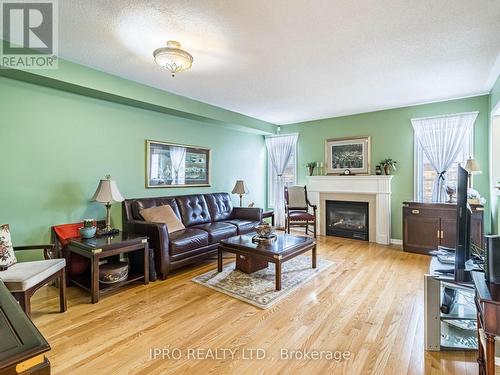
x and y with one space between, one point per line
7 256
163 214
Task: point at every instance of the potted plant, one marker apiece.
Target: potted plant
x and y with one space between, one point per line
310 167
388 165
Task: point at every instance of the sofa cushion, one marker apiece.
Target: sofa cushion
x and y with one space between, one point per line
22 276
244 226
163 214
219 205
193 209
7 255
218 231
141 204
186 240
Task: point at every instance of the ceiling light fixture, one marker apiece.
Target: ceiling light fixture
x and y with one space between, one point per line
173 58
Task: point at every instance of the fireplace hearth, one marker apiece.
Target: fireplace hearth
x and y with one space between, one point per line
347 219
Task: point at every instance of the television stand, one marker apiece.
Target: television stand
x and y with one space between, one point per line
456 330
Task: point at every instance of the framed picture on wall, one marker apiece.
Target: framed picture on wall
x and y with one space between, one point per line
175 165
351 154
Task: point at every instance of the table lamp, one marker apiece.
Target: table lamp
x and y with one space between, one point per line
107 192
473 168
240 188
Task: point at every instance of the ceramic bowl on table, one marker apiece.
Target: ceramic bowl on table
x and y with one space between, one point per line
87 232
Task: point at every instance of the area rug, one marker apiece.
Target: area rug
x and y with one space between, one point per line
258 288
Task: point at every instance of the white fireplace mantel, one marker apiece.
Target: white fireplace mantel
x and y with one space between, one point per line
374 189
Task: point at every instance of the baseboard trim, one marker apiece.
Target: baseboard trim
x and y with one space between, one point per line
395 241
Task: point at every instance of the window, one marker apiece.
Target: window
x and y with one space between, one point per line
289 177
425 173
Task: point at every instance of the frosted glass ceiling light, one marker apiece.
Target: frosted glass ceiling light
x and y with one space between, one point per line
173 58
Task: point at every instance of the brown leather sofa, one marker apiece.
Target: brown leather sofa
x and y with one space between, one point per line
208 219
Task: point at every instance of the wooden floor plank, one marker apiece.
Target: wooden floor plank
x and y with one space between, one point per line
370 304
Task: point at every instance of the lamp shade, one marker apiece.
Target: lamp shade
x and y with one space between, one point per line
240 187
107 192
472 167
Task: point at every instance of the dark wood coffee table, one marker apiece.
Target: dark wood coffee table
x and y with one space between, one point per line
255 256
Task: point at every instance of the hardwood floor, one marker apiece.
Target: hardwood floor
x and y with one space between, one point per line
369 304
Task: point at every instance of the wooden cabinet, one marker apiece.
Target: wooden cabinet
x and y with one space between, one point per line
428 225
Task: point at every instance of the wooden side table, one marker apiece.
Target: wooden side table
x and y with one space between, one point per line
269 214
97 248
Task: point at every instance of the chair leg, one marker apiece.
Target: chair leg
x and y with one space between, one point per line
62 291
24 301
314 223
307 227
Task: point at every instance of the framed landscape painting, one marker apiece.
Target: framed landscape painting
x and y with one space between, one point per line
348 153
174 165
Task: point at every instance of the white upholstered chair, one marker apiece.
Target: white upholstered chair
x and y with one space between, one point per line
23 279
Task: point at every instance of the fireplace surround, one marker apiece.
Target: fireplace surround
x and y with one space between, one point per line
376 190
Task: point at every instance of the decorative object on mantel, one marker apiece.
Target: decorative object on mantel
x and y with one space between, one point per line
310 167
89 228
240 188
107 192
388 165
347 172
347 153
378 170
473 168
321 168
173 58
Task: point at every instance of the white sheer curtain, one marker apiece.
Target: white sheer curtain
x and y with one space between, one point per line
178 159
441 139
280 149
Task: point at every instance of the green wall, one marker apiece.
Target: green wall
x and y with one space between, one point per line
56 145
392 136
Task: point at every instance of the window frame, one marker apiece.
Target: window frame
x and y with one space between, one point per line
418 164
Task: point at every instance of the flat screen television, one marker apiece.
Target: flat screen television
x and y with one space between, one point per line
462 251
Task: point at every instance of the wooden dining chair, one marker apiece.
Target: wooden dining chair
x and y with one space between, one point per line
297 207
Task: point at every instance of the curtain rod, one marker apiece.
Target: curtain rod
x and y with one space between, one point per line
281 135
449 115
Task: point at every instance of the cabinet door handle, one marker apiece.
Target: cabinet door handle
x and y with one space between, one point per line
416 212
438 234
442 234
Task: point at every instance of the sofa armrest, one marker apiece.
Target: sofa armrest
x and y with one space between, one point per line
158 240
247 213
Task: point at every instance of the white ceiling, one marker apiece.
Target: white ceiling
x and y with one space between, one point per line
287 61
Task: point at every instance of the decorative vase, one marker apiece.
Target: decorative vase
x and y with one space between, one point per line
387 170
310 170
378 170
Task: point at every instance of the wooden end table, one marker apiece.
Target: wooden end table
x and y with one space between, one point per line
252 256
97 248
